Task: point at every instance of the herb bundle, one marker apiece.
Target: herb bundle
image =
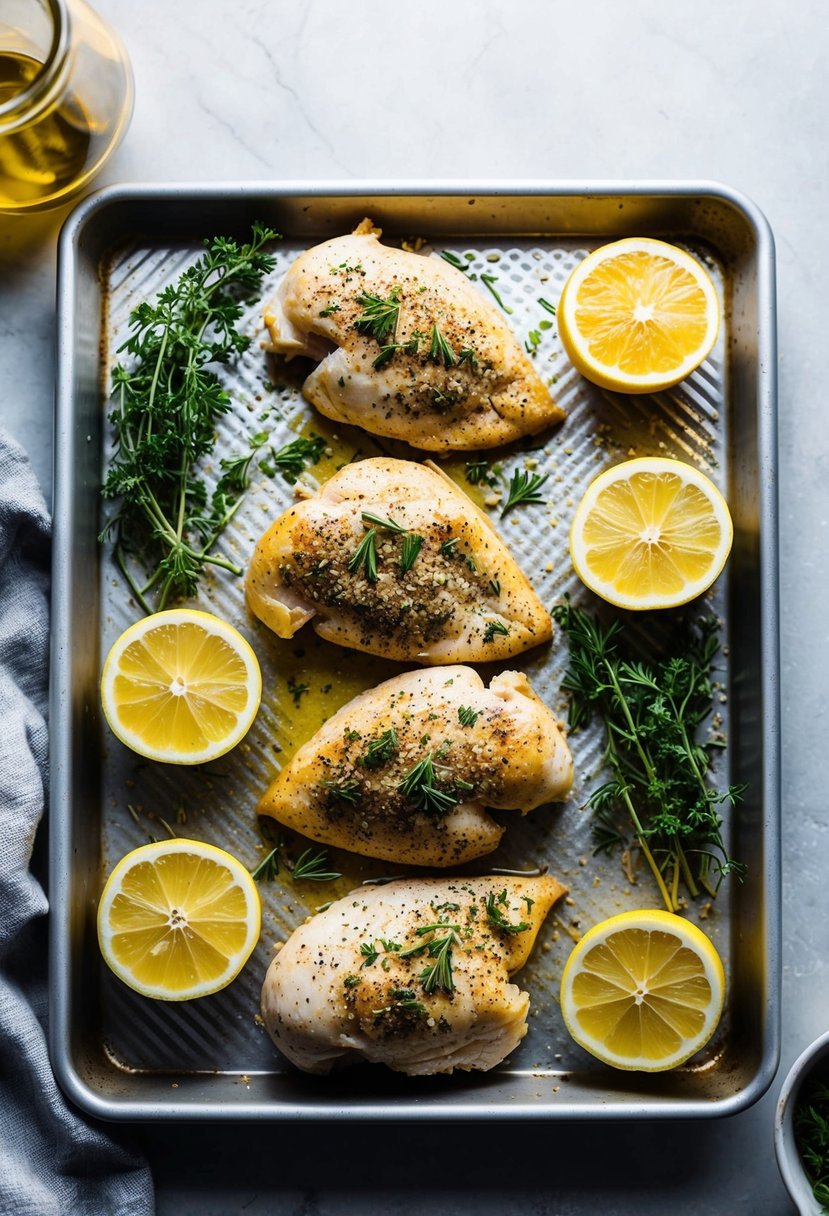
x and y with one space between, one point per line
652 714
167 404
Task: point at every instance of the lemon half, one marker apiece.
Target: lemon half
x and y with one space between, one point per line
178 919
638 315
643 990
181 686
650 533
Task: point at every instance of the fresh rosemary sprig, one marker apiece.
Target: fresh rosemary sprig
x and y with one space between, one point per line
365 555
439 349
167 404
420 786
382 521
412 544
379 317
524 488
652 714
311 867
268 867
439 974
343 791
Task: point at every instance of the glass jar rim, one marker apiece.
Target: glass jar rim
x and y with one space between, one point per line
45 73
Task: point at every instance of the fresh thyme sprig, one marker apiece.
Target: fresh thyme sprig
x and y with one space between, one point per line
652 715
524 488
167 402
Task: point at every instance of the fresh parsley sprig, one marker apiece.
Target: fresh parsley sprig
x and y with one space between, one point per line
652 714
167 402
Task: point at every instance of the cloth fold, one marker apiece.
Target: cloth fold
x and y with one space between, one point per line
53 1160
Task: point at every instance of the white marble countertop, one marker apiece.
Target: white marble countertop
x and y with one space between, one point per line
484 90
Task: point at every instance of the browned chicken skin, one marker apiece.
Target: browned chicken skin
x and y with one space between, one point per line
409 348
413 975
463 599
403 772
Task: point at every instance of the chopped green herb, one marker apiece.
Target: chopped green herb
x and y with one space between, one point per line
468 716
546 304
495 586
380 750
496 917
811 1129
493 628
524 488
454 260
297 690
477 471
351 981
467 355
448 546
533 342
344 791
329 309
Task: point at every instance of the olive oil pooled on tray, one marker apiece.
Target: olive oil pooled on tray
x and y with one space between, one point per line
47 155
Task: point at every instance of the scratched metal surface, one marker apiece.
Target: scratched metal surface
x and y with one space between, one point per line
162 1047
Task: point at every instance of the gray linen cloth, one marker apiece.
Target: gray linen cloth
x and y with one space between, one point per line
53 1161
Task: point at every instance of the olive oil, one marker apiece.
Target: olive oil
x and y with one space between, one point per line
42 158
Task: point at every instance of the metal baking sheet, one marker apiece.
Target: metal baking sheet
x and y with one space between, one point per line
121 1056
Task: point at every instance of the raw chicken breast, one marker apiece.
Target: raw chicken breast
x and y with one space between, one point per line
414 975
329 560
409 347
404 771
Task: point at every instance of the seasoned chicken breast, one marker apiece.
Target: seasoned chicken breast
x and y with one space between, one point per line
409 348
404 771
390 557
414 975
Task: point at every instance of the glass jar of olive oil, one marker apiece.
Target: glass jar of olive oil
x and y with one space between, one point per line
66 96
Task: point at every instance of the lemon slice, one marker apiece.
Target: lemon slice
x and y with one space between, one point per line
650 533
181 686
643 990
638 315
178 919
